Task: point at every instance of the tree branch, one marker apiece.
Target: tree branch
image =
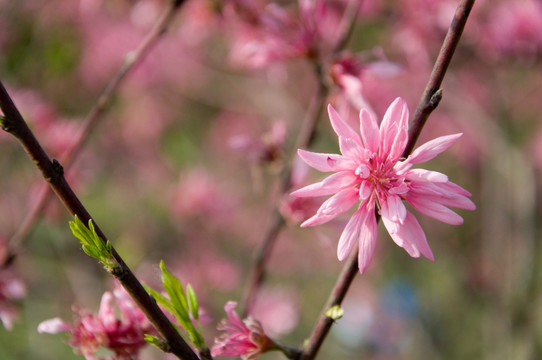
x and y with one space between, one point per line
53 173
429 101
92 120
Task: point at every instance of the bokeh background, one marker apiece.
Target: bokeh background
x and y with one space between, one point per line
184 167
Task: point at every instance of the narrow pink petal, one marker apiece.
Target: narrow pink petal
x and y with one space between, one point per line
432 148
459 202
426 175
350 234
412 231
341 127
435 210
395 118
454 188
106 313
369 131
329 185
367 239
399 143
365 190
351 149
410 236
334 206
318 219
442 193
53 326
325 162
393 209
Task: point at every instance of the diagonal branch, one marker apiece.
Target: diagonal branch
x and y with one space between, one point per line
92 120
429 101
13 123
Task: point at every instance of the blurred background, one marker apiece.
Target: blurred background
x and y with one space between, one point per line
185 163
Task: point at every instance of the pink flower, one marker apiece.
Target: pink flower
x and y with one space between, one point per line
370 172
244 338
122 336
11 289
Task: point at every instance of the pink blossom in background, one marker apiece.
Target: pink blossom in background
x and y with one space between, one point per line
348 72
515 29
11 289
371 172
297 209
90 333
265 149
277 309
198 193
245 338
264 33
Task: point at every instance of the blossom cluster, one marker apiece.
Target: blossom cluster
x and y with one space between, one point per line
122 337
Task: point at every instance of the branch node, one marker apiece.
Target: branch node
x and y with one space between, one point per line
435 99
4 123
58 172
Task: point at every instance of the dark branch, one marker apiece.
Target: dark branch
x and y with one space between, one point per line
92 120
52 171
429 101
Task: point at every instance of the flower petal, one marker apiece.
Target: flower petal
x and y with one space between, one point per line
425 175
350 233
432 148
410 236
341 127
351 149
448 194
394 121
435 210
367 238
334 206
369 131
392 208
325 162
53 326
329 185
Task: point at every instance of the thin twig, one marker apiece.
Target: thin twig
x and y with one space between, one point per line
92 120
53 173
428 103
304 140
263 253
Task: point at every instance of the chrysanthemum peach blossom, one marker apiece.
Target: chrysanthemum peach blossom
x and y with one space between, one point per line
124 337
245 338
371 172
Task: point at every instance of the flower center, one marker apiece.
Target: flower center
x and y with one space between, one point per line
380 178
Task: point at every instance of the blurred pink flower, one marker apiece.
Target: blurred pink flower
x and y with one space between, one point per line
123 336
263 33
277 309
245 338
265 149
515 28
347 71
11 289
370 170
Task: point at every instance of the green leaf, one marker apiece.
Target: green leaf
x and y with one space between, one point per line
175 290
180 304
192 302
156 341
91 243
160 299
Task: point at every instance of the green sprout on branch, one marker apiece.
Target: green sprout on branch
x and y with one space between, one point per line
92 244
183 305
